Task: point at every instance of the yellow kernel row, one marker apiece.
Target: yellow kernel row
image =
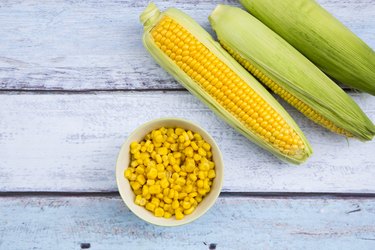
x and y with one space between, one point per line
170 172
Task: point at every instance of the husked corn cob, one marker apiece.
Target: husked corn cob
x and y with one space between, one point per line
288 73
321 38
199 63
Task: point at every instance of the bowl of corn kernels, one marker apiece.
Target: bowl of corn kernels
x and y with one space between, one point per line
169 172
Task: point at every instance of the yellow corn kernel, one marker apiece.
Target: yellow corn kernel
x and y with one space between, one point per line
162 175
167 215
194 145
189 211
181 139
164 183
151 207
171 180
144 156
133 177
160 167
211 174
180 181
159 212
138 199
176 155
145 190
134 164
197 157
152 174
160 196
140 169
179 131
158 138
134 145
176 168
201 175
202 191
188 188
174 147
198 198
137 155
172 161
165 192
177 188
176 194
150 182
179 215
155 201
209 155
204 166
206 184
137 192
141 179
128 173
151 164
154 189
170 139
200 183
187 143
190 135
193 177
189 167
202 152
182 195
206 146
167 200
135 185
158 158
186 205
170 131
162 151
175 204
171 193
175 176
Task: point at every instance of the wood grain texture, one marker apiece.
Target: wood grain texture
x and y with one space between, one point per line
233 223
69 142
81 45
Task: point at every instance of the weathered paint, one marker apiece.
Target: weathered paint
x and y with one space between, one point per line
233 223
80 45
69 142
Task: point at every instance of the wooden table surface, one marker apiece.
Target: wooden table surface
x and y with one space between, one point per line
75 80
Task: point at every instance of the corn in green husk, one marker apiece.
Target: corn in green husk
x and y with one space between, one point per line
288 73
321 38
188 52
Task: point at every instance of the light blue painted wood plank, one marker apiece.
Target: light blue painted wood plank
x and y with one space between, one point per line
65 142
233 223
79 45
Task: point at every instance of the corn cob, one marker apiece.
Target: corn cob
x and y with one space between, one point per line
288 73
189 53
321 38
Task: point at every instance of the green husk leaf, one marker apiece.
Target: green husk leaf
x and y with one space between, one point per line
321 38
151 16
271 54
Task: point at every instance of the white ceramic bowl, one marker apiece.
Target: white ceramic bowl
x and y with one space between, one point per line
123 162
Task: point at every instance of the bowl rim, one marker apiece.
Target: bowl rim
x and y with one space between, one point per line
205 135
